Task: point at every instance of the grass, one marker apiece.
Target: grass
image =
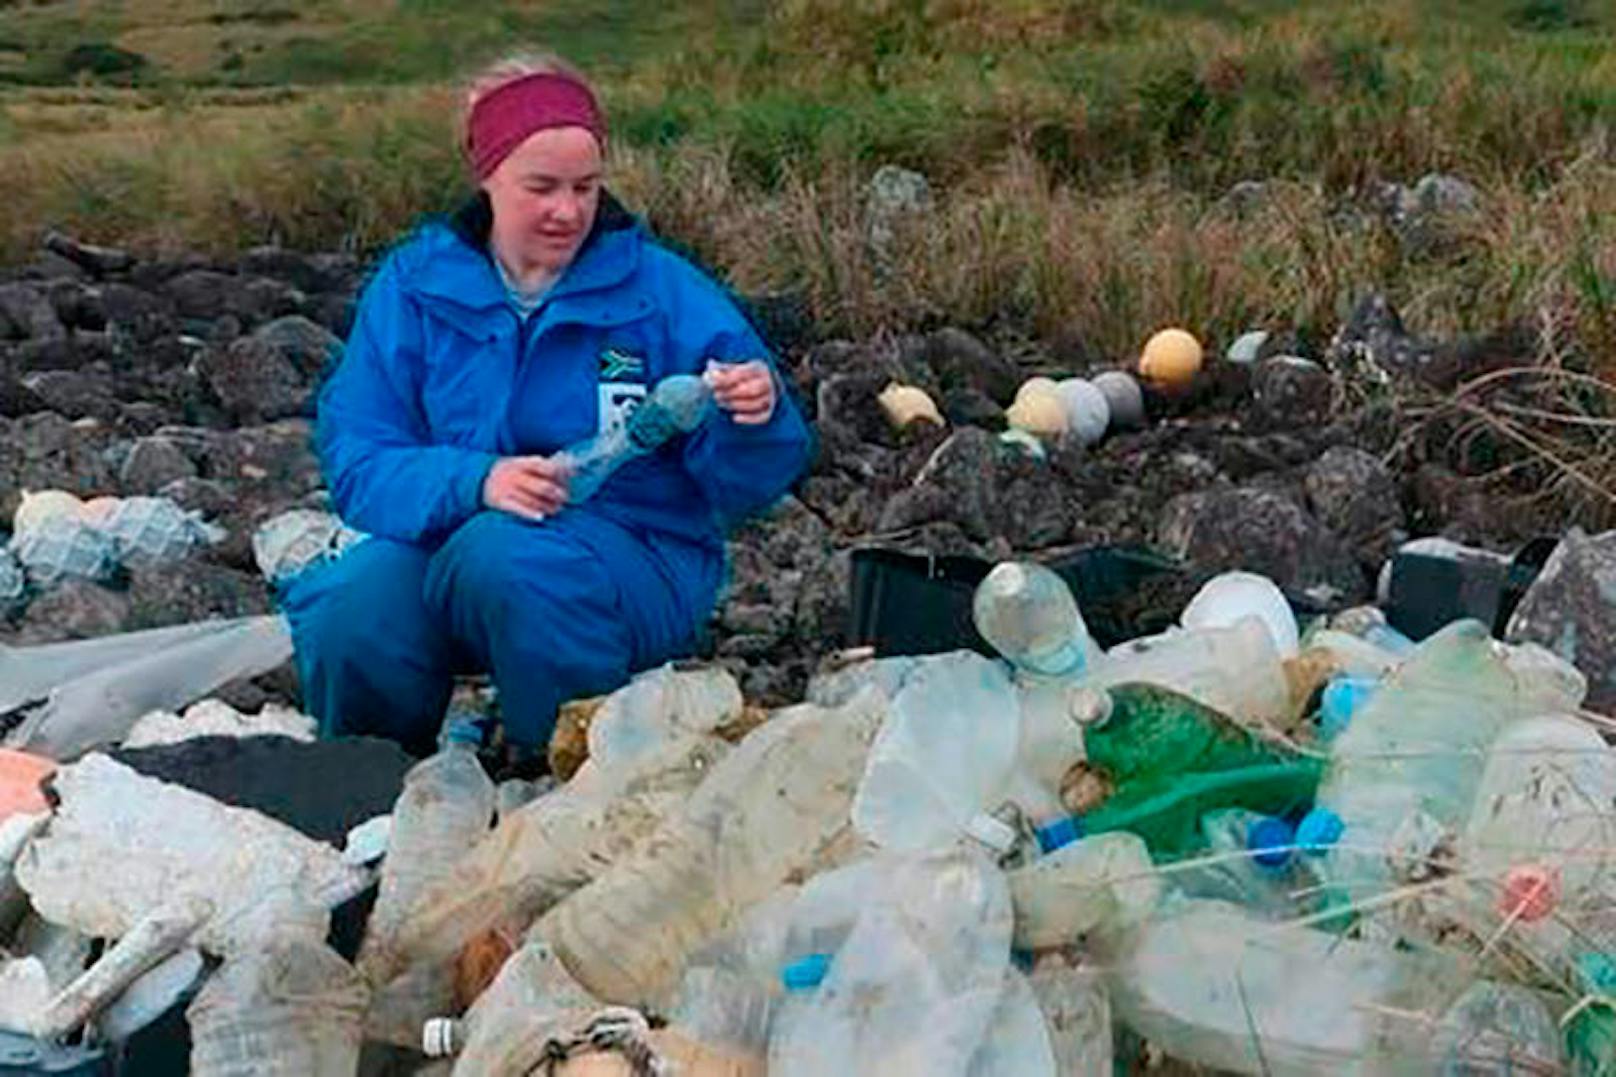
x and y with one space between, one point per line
1080 151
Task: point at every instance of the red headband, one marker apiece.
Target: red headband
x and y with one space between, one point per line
503 120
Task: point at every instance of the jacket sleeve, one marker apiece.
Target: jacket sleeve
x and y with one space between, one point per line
386 476
741 468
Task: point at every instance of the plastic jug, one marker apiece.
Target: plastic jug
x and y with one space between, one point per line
1234 669
1229 598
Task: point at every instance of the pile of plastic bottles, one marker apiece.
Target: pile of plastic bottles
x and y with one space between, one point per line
1244 844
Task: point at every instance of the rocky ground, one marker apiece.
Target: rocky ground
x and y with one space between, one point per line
192 380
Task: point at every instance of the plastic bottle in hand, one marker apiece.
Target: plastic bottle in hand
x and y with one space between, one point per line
675 406
446 805
1028 614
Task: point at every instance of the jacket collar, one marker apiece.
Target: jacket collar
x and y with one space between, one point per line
459 266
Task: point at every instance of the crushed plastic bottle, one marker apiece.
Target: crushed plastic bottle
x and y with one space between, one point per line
1105 879
283 1005
1253 860
1497 1028
1405 771
728 992
504 1033
1028 614
916 950
446 806
154 530
767 811
676 405
1228 598
942 759
658 707
1212 984
285 546
1018 1040
61 548
1077 1014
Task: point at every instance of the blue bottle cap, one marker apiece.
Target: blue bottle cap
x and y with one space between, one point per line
463 731
1343 697
805 973
1062 831
1270 841
1319 829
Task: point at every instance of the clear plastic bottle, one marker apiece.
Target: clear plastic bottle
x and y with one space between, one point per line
285 1006
1251 859
1028 614
446 806
942 759
914 953
676 405
767 811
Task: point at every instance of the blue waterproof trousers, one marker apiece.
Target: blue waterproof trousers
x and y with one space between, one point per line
556 610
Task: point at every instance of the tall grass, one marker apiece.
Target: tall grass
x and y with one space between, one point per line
1080 153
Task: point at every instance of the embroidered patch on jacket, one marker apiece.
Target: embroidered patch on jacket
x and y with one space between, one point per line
622 387
617 365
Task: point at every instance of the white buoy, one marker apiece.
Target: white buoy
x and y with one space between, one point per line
1087 411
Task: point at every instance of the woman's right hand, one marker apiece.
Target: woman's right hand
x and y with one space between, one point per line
532 487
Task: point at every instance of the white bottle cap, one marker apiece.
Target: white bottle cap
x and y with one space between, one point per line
994 833
438 1037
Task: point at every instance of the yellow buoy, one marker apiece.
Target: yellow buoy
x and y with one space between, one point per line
1171 359
1040 411
1036 385
907 404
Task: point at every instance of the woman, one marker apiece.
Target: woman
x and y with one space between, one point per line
536 317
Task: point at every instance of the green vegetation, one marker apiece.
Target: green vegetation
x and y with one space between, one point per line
1080 150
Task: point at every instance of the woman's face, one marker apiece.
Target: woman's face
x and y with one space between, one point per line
544 197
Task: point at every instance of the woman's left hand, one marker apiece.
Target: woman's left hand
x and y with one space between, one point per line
745 390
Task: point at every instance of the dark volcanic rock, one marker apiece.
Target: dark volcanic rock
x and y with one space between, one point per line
1289 393
1571 609
75 394
45 451
1262 531
962 362
153 462
1354 495
26 314
254 380
192 590
75 609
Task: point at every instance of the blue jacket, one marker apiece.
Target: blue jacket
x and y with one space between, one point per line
441 377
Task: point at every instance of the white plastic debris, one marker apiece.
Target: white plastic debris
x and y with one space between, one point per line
122 844
154 530
95 690
59 548
294 541
367 842
25 990
1227 598
1247 347
215 718
152 995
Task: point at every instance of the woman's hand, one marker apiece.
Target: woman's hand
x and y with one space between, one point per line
745 390
532 487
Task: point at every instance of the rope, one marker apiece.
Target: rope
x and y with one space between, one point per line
614 1028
